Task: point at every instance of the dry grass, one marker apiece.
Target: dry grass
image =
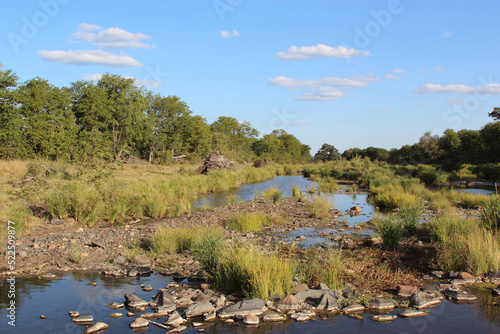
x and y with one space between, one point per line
320 208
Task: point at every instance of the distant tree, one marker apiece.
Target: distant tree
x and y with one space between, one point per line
327 153
495 114
12 142
233 137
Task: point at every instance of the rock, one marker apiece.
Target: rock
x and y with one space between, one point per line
309 294
406 290
381 304
355 316
274 317
242 308
133 272
155 315
119 260
74 314
115 305
211 316
356 209
141 260
175 320
98 326
162 299
412 314
299 287
251 319
43 316
328 302
350 292
198 309
451 274
22 254
203 298
437 273
354 307
496 291
384 318
134 301
466 276
300 238
139 323
458 295
220 302
147 288
84 319
178 329
303 316
322 286
421 300
431 289
116 315
49 276
290 302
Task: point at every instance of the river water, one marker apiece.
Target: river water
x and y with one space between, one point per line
73 292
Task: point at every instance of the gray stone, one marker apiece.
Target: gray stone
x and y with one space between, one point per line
412 314
309 294
116 315
22 254
290 302
115 305
147 288
134 301
74 314
328 302
431 289
98 326
299 287
274 317
49 276
251 319
119 260
384 318
220 302
422 300
162 298
211 316
133 272
198 309
350 292
322 286
303 316
458 295
141 260
405 290
203 298
244 307
139 323
175 320
84 319
437 273
354 307
381 304
178 329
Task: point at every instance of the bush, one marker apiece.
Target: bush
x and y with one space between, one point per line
390 231
410 217
490 215
428 175
320 208
246 222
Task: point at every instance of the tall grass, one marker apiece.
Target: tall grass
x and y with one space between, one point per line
257 275
320 208
390 231
323 266
273 192
173 240
410 217
248 221
490 215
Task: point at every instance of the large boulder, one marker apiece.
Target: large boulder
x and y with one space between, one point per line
199 309
422 300
381 304
458 295
162 299
242 308
134 301
290 302
215 161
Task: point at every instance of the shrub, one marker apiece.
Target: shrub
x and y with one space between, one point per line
246 222
490 215
320 208
410 217
390 231
427 175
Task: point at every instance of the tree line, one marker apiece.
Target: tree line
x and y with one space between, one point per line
112 119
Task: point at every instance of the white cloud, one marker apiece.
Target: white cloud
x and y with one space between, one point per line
439 68
489 89
225 34
296 84
319 51
381 109
92 77
399 71
87 57
446 34
391 77
111 38
422 103
323 94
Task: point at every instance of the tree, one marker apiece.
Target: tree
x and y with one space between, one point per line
495 114
12 143
234 138
327 153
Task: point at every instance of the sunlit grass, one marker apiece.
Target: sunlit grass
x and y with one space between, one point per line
320 207
248 222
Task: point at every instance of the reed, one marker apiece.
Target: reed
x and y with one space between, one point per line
248 222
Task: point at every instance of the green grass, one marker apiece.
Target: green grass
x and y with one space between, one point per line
410 217
295 191
390 231
233 199
323 266
273 192
173 240
320 208
248 222
490 214
76 256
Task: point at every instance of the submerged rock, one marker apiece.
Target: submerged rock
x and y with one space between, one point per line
139 323
458 295
84 319
412 314
384 318
274 317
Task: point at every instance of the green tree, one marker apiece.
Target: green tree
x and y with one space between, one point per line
233 137
327 152
12 141
495 114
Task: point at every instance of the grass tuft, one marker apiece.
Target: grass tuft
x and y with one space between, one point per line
320 208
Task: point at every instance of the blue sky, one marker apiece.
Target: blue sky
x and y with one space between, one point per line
347 73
